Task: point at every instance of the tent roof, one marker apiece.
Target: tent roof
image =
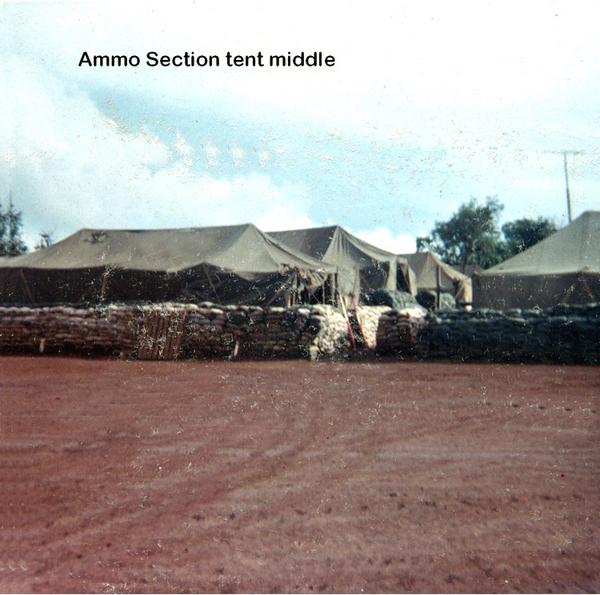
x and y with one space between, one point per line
573 249
333 244
238 248
360 266
470 269
425 266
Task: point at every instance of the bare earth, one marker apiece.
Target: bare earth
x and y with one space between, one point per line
291 476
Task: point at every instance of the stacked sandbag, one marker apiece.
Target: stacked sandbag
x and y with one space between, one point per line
251 331
169 331
277 332
398 331
325 334
208 331
365 322
109 330
563 334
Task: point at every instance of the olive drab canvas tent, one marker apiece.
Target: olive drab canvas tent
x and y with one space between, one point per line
228 265
360 266
432 272
563 268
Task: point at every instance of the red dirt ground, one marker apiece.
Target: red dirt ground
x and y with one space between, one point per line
292 476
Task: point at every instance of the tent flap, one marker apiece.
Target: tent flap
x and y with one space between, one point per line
360 266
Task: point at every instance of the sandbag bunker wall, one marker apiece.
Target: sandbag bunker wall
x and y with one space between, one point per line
568 334
61 329
169 331
397 331
251 331
563 334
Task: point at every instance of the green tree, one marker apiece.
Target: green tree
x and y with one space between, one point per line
524 233
11 221
471 236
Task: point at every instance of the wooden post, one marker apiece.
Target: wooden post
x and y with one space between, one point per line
345 313
438 288
568 189
360 327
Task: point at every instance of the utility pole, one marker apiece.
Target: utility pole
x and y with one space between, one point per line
565 153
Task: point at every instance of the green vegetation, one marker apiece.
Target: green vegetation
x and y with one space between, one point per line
524 233
471 236
11 243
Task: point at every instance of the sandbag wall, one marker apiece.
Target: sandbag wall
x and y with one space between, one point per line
252 331
111 330
364 322
169 331
563 334
398 331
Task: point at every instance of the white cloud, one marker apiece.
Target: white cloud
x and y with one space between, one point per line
182 146
284 217
383 238
428 83
418 55
67 166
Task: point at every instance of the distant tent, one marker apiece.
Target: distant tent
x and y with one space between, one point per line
361 266
431 271
228 265
563 268
469 269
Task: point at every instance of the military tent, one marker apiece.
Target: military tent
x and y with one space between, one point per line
563 268
228 265
360 266
431 273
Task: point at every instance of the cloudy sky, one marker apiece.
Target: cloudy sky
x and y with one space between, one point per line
428 105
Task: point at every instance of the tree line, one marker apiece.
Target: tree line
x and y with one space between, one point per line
11 241
472 236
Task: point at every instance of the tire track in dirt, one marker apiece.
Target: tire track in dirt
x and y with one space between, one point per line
332 477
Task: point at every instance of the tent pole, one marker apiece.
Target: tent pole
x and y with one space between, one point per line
571 289
360 327
104 283
335 282
26 286
347 321
586 287
295 289
211 283
85 293
277 293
